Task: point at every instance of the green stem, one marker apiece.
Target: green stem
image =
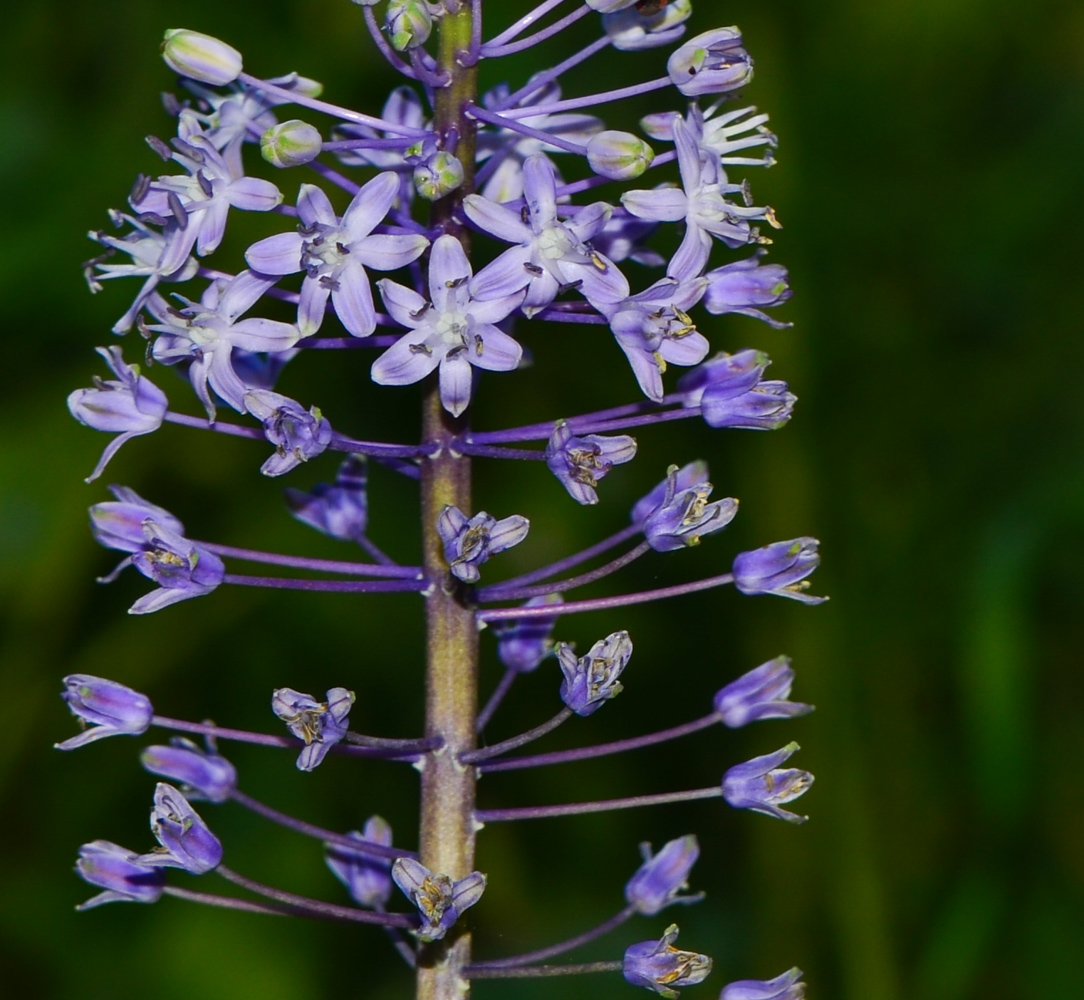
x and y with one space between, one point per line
448 788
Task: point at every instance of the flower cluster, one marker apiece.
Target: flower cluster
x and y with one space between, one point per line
463 209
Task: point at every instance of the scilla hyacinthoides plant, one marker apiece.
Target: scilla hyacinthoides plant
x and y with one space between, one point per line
458 214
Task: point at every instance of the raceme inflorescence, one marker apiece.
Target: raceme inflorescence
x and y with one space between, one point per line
458 214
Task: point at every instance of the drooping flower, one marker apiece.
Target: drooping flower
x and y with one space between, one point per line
711 63
204 774
780 568
455 330
523 643
367 878
591 680
659 966
296 433
120 873
580 462
334 254
784 987
439 898
762 693
341 509
110 708
763 786
130 404
469 542
321 724
550 255
731 392
186 840
684 516
658 881
745 285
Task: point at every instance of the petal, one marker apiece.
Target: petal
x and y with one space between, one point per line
508 532
211 225
353 300
313 206
504 276
540 190
663 204
448 268
276 255
456 379
645 368
688 155
161 598
242 293
399 365
312 306
495 350
590 221
257 334
602 288
253 194
404 304
369 206
224 380
692 255
388 253
496 220
688 350
494 310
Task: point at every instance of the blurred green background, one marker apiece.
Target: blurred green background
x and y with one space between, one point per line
930 184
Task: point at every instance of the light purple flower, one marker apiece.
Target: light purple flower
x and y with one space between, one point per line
203 334
202 773
111 709
334 254
745 285
550 255
683 516
439 898
340 510
455 330
622 238
657 882
761 693
763 786
784 987
780 568
685 478
403 107
633 31
711 63
654 329
186 840
730 392
701 203
119 872
130 404
523 643
296 433
320 724
580 462
659 966
469 542
591 680
367 878
119 524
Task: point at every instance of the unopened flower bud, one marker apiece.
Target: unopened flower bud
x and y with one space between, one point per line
784 987
711 63
619 155
763 786
591 680
201 57
290 144
366 877
339 509
780 568
659 966
761 693
523 643
744 285
438 175
119 872
202 774
109 707
662 876
408 23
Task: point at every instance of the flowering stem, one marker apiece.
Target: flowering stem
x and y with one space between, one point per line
504 685
502 122
340 181
229 903
559 949
568 316
578 187
503 592
332 586
543 80
317 565
488 451
605 97
520 26
605 603
316 907
604 805
310 830
491 51
517 741
623 423
602 749
538 971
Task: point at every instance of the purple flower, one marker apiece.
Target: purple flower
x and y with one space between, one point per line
550 255
761 693
367 878
202 773
780 568
455 331
440 899
744 285
203 334
662 876
580 462
632 31
109 707
469 542
719 138
685 478
523 643
340 510
711 63
403 107
129 404
622 239
784 987
119 525
591 680
321 724
186 840
659 966
654 329
297 434
684 515
182 569
120 873
730 392
334 254
763 786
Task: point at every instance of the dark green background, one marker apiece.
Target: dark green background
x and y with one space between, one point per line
930 183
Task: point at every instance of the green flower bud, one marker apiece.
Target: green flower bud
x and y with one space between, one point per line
200 57
441 174
409 23
619 155
289 144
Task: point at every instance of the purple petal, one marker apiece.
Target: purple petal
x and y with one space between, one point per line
688 155
495 219
498 352
504 276
276 255
688 350
404 304
212 226
369 206
590 221
601 287
312 305
448 268
692 255
388 253
242 293
663 204
313 206
399 365
257 334
540 190
252 194
456 379
494 310
353 300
